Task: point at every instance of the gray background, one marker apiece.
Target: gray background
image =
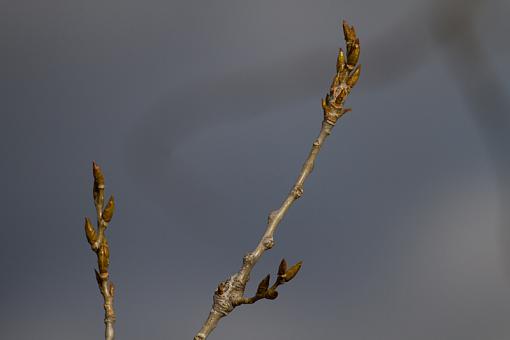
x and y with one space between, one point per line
201 113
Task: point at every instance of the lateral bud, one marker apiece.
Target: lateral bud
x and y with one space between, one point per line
341 97
108 210
340 62
353 53
271 294
353 79
103 257
282 268
324 104
292 272
263 286
90 232
336 80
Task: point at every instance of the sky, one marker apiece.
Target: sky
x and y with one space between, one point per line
201 114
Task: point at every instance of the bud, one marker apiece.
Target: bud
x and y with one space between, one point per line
353 54
353 79
271 294
98 175
108 210
349 32
324 104
103 257
336 80
341 97
342 76
90 232
340 62
289 274
263 286
282 268
98 184
221 288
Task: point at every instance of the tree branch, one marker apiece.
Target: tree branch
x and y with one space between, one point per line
230 293
99 245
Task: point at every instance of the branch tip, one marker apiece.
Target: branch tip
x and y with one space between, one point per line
98 174
346 77
99 245
230 293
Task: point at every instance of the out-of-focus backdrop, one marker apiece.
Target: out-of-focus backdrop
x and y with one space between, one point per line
201 113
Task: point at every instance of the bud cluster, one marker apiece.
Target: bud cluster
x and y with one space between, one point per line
97 238
99 244
347 75
284 275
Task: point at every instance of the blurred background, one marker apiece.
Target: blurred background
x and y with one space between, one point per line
201 114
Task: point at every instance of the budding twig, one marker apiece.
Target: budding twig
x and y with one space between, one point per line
230 293
99 245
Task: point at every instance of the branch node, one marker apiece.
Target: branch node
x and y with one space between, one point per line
271 216
268 242
221 288
297 192
247 258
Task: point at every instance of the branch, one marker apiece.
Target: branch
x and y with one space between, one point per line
99 244
230 293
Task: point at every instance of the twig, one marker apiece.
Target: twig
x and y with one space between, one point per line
99 245
230 293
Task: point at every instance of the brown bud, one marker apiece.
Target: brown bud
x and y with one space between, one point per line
292 271
340 62
98 175
263 286
353 79
103 257
341 97
221 288
353 54
349 32
271 294
111 289
336 80
98 185
108 210
282 268
90 232
342 76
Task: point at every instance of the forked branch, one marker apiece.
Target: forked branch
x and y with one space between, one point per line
99 244
230 293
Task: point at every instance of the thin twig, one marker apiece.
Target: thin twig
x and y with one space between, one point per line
230 293
99 245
